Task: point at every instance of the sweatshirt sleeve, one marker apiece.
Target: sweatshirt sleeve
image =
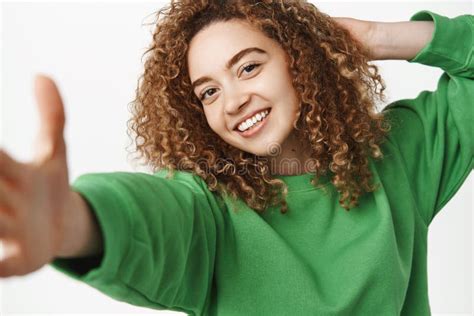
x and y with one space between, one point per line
159 239
433 132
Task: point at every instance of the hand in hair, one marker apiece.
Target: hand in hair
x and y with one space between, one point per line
365 32
389 40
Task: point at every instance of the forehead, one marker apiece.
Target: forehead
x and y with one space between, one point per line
213 46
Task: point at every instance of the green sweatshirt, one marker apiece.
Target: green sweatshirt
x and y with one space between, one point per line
173 244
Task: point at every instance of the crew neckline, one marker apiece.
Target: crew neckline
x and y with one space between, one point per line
301 182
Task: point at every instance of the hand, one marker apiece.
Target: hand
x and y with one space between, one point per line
33 195
364 32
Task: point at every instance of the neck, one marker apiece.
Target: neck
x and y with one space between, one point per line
293 159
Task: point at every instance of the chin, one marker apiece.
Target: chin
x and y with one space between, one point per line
268 146
270 149
257 152
260 151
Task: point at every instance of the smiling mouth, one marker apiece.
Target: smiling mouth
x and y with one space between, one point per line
256 127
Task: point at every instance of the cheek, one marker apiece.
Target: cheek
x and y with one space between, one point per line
281 83
290 93
214 122
287 94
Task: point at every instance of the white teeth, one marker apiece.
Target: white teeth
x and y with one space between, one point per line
253 120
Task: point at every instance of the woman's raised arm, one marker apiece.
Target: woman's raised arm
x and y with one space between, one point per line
389 40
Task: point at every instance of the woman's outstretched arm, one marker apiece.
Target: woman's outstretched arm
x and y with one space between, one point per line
40 217
81 234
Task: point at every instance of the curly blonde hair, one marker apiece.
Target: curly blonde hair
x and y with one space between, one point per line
336 86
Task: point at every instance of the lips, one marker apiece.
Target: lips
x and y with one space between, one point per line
256 129
249 116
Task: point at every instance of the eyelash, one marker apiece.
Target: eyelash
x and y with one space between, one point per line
201 97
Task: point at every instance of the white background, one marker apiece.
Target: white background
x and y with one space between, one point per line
93 51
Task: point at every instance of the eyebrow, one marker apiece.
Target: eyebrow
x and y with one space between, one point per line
235 59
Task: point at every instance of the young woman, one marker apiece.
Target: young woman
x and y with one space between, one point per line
290 193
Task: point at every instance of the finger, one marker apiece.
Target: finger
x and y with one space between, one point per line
6 225
342 21
50 141
10 266
9 167
9 198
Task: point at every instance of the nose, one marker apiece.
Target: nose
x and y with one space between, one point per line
235 100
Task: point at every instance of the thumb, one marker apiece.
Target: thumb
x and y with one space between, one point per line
50 142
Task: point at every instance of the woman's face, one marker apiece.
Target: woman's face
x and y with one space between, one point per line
238 72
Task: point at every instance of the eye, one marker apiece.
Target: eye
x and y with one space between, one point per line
250 67
202 96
